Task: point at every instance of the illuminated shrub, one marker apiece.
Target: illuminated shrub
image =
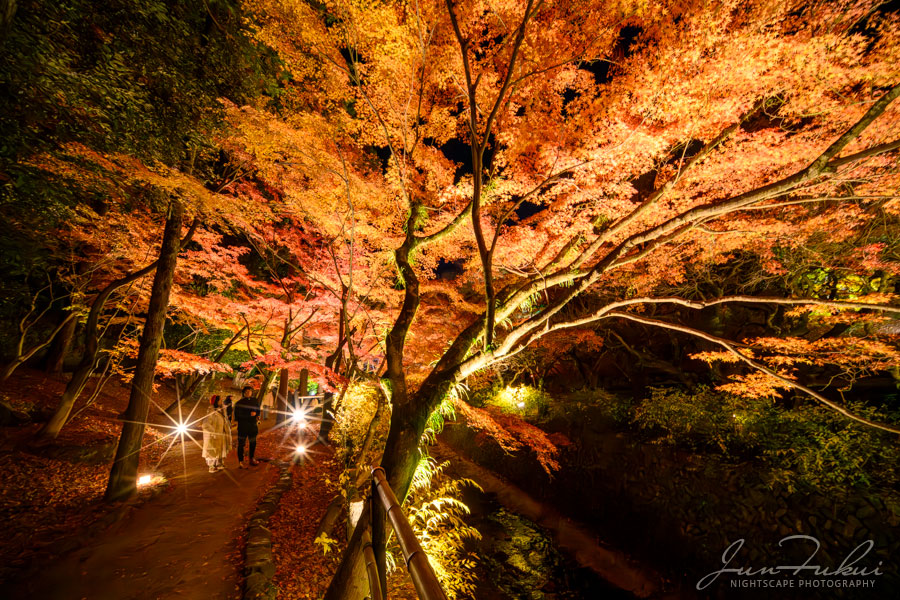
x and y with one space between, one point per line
523 400
352 419
437 515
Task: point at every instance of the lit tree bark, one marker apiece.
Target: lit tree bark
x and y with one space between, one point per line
123 476
408 415
268 376
303 386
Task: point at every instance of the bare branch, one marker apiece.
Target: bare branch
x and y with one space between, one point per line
759 367
507 80
699 304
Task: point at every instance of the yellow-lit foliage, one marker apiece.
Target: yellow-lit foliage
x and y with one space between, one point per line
437 514
521 400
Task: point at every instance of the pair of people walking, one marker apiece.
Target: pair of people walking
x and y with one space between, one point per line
217 430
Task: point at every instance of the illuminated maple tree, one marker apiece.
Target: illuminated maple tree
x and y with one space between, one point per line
555 151
441 188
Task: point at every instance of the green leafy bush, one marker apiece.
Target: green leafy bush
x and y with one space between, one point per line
807 446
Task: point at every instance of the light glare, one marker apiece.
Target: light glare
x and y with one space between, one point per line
300 449
144 480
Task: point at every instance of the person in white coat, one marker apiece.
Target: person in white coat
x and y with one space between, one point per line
216 436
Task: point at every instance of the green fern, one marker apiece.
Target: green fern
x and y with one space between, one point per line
437 515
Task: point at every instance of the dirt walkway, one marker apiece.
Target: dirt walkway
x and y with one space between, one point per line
176 546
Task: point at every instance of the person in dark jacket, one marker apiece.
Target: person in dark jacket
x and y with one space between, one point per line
229 409
246 413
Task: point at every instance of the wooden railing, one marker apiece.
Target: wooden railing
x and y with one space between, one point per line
384 503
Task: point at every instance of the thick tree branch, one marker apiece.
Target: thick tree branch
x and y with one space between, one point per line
445 230
653 239
772 190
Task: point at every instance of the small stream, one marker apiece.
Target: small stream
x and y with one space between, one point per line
517 560
529 551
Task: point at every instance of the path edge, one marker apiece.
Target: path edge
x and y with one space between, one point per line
259 562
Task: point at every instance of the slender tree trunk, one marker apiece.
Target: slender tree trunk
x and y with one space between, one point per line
92 345
334 510
327 422
328 397
268 376
197 381
62 343
25 355
123 476
332 358
303 386
281 406
89 358
73 390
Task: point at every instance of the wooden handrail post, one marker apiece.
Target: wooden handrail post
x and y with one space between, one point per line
379 537
375 589
420 571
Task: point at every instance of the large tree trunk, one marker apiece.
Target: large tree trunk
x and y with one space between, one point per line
123 476
349 582
401 455
408 418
